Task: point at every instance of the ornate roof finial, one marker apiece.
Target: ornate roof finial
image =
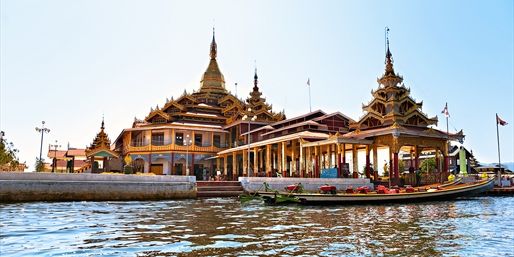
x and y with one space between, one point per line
389 56
214 48
102 127
255 80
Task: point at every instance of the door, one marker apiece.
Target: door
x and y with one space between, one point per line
156 169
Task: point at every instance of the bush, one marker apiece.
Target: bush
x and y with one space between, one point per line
128 169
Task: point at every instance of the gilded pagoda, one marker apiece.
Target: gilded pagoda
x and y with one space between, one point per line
183 136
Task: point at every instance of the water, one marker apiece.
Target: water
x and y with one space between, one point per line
224 227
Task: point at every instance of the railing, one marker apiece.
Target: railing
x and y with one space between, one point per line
172 147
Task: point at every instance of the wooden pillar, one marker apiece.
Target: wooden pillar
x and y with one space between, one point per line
368 166
308 162
301 169
283 159
395 165
218 163
416 157
355 162
375 158
339 168
255 163
234 165
225 165
437 161
268 161
245 162
316 162
292 166
375 162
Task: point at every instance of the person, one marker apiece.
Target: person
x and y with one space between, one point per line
218 175
386 172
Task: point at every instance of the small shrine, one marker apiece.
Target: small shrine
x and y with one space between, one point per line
99 152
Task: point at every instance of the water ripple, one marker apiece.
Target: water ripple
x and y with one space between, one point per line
479 226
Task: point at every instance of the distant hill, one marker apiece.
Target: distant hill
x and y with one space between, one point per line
509 165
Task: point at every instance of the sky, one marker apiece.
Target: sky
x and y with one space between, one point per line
70 63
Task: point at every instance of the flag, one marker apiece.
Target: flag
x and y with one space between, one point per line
445 111
500 121
309 82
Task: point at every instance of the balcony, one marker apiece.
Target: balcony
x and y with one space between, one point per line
179 148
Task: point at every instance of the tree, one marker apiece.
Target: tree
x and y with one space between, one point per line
40 164
8 158
427 165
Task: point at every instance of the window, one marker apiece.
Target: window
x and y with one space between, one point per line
158 138
138 138
198 139
217 140
179 138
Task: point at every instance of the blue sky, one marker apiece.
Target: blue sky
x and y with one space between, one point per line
70 62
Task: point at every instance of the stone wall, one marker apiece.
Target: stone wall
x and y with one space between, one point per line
251 184
16 187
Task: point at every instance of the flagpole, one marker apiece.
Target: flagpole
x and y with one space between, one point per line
309 85
499 162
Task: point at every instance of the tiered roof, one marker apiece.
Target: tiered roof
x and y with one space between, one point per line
101 145
392 103
212 104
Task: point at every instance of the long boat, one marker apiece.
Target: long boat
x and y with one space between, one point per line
440 193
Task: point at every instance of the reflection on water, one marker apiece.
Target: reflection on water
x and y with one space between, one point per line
212 227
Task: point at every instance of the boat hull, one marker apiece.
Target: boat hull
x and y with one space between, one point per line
373 198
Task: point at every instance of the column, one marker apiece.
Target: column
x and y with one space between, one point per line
218 163
355 162
375 161
395 165
338 161
268 161
416 157
225 165
344 159
255 163
368 165
172 163
301 169
284 159
292 166
234 165
245 162
437 162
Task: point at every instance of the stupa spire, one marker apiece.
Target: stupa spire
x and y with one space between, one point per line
389 70
214 48
255 81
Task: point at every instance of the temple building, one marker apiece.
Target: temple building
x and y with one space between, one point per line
210 129
184 135
100 155
395 121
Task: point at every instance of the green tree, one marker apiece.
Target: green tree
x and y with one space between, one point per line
40 164
427 165
8 154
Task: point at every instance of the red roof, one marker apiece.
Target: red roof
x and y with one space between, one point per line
59 154
76 152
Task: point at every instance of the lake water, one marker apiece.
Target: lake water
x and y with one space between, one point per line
481 226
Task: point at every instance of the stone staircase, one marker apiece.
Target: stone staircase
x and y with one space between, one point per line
218 188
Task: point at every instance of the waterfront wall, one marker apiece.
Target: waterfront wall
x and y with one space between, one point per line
19 187
251 184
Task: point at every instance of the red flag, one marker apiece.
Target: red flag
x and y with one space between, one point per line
445 111
500 121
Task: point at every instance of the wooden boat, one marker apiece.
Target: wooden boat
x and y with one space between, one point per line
434 193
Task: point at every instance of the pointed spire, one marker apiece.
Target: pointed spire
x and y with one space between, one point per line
103 124
255 81
214 48
389 57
